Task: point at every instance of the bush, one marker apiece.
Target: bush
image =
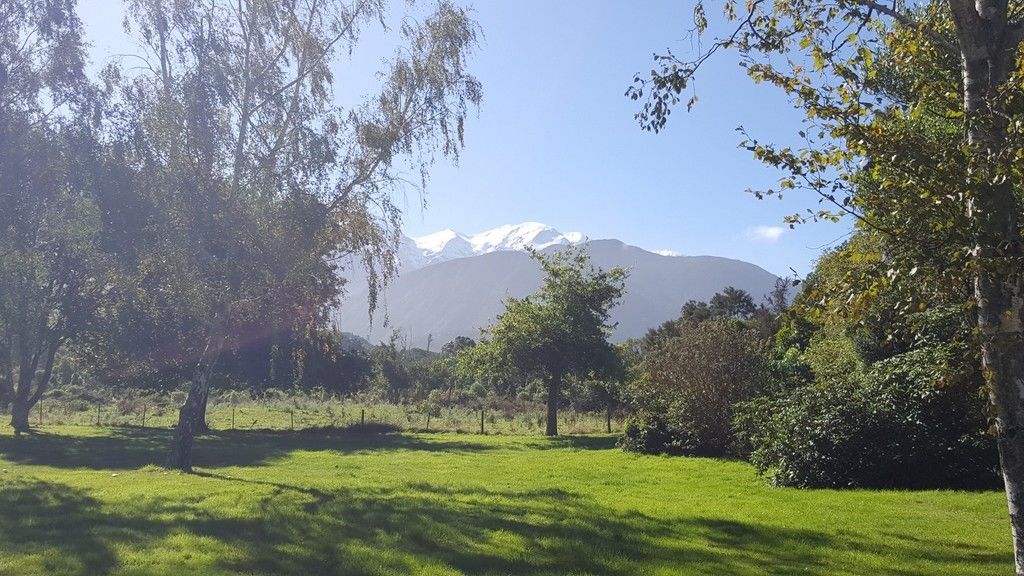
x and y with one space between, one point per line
650 434
909 421
684 403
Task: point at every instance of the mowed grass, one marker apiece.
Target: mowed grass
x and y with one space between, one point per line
78 500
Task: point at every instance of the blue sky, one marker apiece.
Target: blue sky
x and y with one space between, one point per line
555 140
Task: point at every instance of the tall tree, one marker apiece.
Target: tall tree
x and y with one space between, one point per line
950 200
261 176
561 330
53 271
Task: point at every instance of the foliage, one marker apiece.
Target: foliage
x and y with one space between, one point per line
730 302
684 401
260 183
563 328
185 219
833 356
868 395
390 378
458 344
914 420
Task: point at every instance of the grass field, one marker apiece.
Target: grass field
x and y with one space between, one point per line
80 500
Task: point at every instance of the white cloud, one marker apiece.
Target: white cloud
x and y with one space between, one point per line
667 252
765 233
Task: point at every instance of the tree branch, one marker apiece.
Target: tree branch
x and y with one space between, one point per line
908 21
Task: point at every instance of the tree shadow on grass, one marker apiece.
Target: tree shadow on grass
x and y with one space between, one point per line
286 529
130 448
599 442
46 528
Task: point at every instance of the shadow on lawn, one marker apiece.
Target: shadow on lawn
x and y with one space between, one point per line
55 522
602 442
130 448
289 530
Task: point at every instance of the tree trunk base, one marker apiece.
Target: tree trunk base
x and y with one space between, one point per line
554 394
192 414
180 457
199 425
19 418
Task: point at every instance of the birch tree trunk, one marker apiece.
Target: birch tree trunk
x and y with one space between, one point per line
202 427
989 53
191 414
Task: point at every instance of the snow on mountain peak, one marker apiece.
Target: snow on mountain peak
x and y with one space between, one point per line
449 244
517 237
444 245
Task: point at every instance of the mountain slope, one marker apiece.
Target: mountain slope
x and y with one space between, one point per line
459 296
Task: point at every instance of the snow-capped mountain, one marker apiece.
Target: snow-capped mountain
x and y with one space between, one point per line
448 244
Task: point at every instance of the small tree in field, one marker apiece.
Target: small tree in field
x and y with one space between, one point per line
561 330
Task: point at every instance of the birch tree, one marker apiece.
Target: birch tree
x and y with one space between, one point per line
260 176
881 154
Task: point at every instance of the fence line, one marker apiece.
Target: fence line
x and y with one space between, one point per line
303 414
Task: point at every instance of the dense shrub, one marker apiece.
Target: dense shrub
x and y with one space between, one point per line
913 420
649 433
684 403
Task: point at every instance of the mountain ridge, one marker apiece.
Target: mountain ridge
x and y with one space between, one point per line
440 300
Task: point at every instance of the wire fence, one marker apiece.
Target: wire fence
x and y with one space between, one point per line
304 413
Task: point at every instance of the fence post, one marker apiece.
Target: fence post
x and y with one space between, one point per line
362 417
428 421
481 421
232 416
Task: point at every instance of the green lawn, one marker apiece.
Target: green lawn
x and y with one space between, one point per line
80 500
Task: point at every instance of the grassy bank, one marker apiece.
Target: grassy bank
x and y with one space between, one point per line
84 500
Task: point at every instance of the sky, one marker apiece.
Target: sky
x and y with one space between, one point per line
555 140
